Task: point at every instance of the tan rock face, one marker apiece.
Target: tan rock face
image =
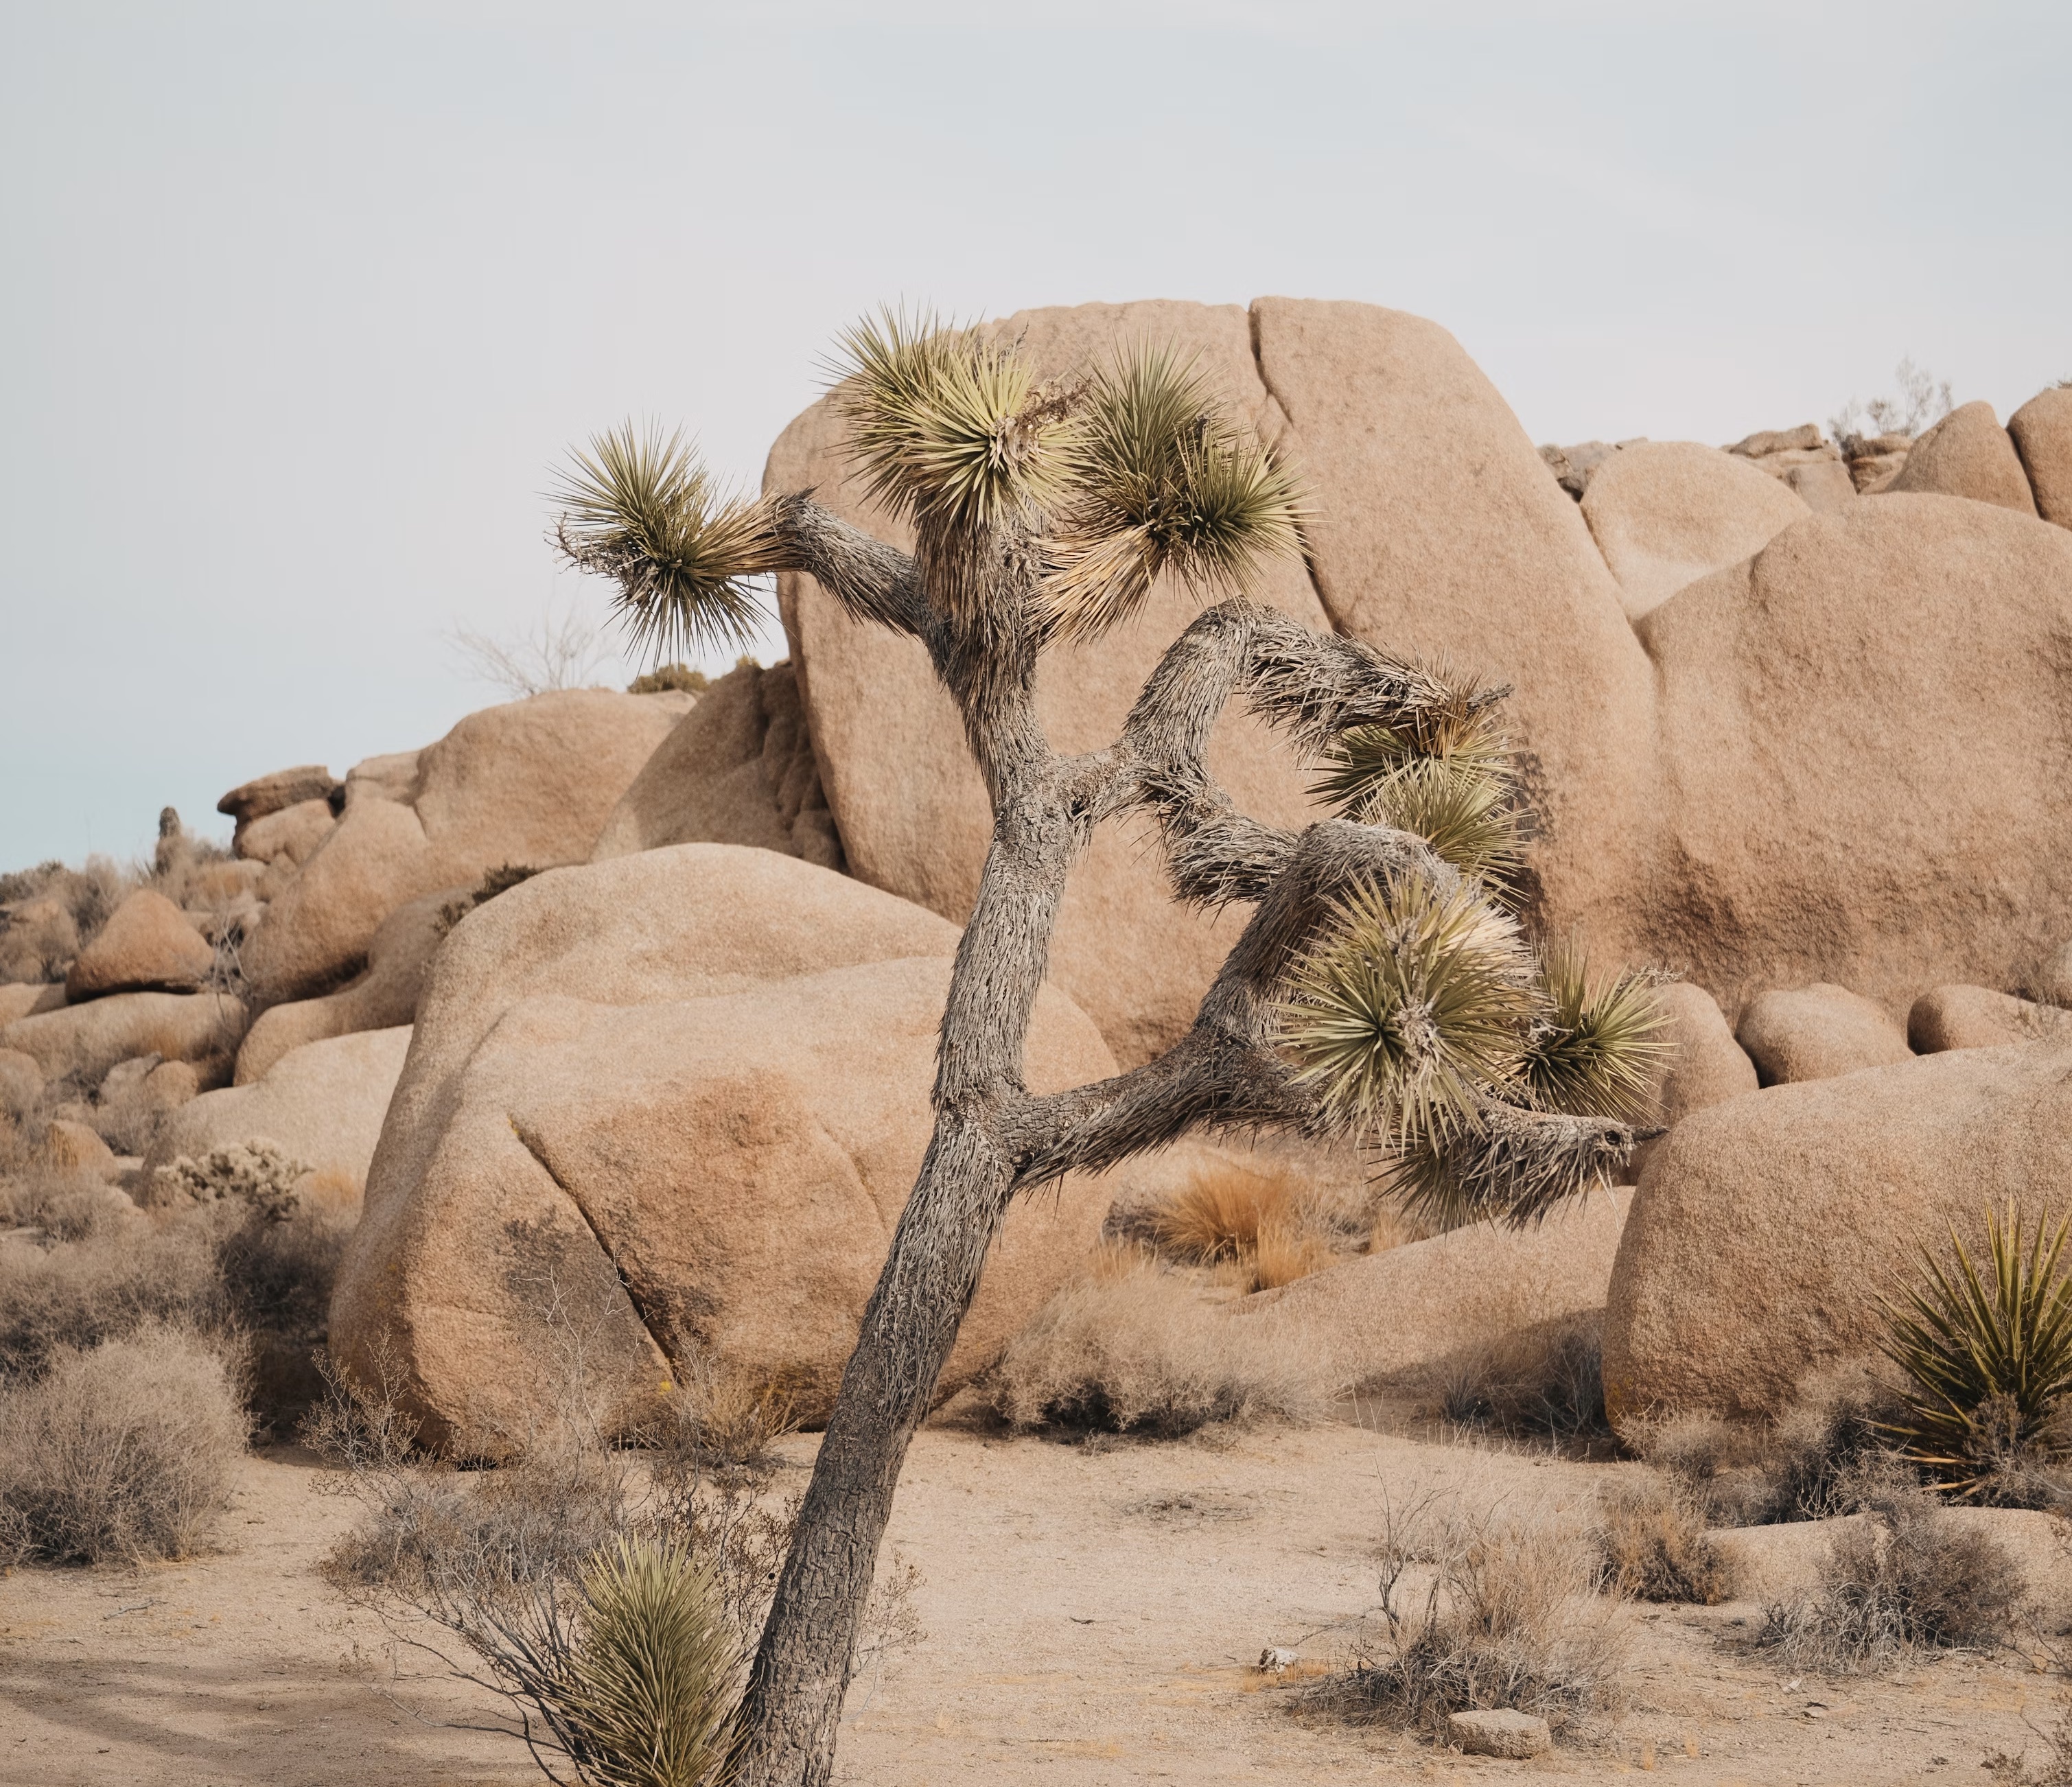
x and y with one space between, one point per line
323 1103
1968 453
1817 1033
25 999
260 799
1396 1317
528 783
21 1079
1764 1230
384 997
1666 513
147 945
1860 734
2042 430
86 1041
1707 1065
737 769
290 835
1978 1017
706 1067
909 804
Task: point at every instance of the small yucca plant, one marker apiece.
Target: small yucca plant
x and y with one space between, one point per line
654 1676
1986 1356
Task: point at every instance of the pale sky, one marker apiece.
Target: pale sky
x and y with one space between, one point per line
302 302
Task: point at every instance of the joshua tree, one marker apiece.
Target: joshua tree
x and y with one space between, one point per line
1382 989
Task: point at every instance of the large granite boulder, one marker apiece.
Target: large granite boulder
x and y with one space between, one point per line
528 783
737 769
146 946
678 1097
1979 1017
323 1103
1968 453
2042 430
1666 513
1817 1033
1766 1229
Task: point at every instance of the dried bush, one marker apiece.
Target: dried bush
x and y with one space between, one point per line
123 1451
107 1284
664 677
1546 1380
257 1172
1987 1360
1921 400
1651 1544
1264 1221
1137 1349
1487 1608
1905 1578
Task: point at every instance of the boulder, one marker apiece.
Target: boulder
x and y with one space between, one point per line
1766 1229
1876 460
84 1042
1817 1033
1968 453
169 1086
289 836
1573 467
323 1103
1978 1017
21 1081
147 945
1666 513
1440 534
527 783
26 998
908 801
383 997
737 769
2042 430
684 1092
1517 1736
1706 1066
1799 458
70 1146
1397 1319
1848 780
260 799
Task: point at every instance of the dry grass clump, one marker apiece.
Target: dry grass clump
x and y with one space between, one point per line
1135 1347
1651 1544
1263 1222
1907 1578
120 1452
1544 1381
1487 1608
108 1282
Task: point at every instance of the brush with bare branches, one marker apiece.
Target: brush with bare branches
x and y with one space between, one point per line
1380 989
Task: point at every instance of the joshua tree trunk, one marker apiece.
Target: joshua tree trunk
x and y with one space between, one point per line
1378 990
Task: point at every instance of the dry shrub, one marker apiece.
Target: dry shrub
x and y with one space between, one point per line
1546 1380
2056 1771
1487 1608
1266 1223
1136 1349
108 1284
1651 1544
1826 1456
119 1453
1907 1578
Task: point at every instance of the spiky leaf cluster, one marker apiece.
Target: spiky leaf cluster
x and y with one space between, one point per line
1498 1086
1443 772
1408 1009
950 429
1163 476
652 1678
1986 1355
645 511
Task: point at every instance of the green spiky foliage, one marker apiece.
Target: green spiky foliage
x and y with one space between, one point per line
1162 476
654 1676
1598 1048
1408 1008
1986 1354
642 510
949 429
1446 774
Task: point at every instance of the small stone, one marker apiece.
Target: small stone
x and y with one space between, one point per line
1505 1732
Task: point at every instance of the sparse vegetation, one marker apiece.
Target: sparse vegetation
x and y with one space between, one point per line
665 677
1485 1607
1904 1577
121 1452
1651 1544
1137 1348
1545 1380
1262 1222
1987 1360
2012 1769
499 879
1921 400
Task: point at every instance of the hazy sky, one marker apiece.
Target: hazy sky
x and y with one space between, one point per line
302 302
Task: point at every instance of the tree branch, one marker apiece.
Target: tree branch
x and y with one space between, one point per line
874 583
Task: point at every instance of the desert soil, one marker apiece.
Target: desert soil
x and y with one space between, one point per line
1092 1612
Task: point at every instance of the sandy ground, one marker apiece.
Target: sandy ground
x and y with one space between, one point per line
1091 1611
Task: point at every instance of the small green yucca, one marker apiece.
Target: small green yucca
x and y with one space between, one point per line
1988 1356
653 1682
